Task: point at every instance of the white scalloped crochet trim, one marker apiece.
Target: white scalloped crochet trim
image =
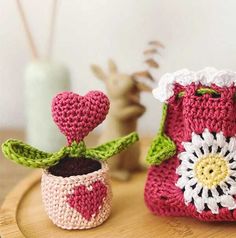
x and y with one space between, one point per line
184 77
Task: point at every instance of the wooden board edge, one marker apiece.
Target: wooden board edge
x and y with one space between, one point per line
8 210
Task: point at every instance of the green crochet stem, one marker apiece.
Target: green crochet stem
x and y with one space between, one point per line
201 91
29 156
162 147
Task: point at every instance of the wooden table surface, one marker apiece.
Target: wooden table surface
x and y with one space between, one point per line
10 173
129 218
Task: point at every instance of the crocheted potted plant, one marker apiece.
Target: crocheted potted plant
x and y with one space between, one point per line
75 183
193 157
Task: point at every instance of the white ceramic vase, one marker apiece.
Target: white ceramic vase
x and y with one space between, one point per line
43 80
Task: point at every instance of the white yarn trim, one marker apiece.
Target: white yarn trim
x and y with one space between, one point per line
184 77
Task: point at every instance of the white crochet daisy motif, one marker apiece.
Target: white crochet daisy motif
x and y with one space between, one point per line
208 171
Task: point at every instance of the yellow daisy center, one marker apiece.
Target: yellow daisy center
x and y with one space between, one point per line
211 169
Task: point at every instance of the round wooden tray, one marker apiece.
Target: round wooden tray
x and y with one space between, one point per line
22 215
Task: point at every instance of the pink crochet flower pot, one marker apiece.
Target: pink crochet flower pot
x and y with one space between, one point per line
77 202
76 187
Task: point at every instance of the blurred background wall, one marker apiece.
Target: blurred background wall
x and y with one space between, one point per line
196 34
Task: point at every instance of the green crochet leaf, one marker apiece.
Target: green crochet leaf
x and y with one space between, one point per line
162 147
29 156
107 150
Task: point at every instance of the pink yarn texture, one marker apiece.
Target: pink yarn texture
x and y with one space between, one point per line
79 199
77 115
77 202
190 117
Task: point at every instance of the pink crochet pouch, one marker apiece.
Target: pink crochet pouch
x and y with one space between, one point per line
193 157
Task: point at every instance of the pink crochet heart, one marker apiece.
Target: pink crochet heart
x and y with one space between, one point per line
77 115
88 202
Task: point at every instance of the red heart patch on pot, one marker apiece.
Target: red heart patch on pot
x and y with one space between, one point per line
88 202
77 115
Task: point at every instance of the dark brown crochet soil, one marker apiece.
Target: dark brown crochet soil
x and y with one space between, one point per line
74 166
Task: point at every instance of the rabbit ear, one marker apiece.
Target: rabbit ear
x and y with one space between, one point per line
112 66
98 72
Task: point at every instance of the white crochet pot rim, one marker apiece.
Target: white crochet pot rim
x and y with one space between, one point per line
184 77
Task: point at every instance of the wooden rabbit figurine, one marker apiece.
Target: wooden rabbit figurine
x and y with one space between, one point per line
124 94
